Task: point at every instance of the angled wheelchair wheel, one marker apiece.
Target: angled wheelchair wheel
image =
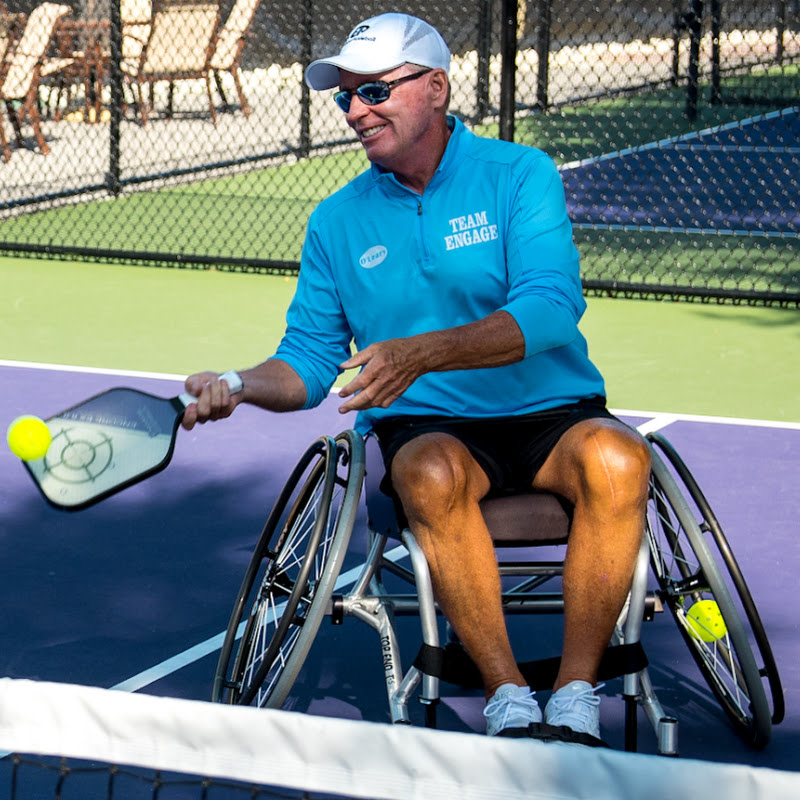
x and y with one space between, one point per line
701 583
291 575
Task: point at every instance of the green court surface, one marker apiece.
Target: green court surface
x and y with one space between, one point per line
687 358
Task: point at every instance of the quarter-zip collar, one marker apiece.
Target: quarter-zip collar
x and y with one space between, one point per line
455 144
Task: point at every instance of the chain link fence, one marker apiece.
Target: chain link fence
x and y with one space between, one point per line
181 133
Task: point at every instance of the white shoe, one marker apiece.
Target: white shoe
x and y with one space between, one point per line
511 706
577 706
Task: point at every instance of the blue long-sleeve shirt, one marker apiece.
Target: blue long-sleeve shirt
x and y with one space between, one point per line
489 232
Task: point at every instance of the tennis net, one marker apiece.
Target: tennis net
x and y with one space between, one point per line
70 736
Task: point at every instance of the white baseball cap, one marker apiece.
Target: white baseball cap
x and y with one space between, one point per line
380 44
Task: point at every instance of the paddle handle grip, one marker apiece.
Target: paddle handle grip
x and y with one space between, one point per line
232 378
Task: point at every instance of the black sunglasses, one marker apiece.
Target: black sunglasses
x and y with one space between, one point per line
373 92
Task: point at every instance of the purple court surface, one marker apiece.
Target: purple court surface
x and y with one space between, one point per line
133 592
677 184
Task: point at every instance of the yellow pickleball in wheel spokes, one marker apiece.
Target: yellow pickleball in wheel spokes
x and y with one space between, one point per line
706 622
28 438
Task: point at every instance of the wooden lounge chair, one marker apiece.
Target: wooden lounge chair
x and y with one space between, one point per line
230 43
179 47
25 65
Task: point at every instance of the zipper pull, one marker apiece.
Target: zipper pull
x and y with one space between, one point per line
419 208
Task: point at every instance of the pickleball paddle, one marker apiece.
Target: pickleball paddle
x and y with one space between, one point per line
108 443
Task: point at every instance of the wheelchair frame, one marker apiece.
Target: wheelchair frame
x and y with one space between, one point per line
289 586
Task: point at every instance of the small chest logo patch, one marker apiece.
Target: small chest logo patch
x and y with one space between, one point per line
374 256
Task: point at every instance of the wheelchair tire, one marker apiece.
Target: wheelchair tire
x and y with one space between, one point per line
291 575
688 573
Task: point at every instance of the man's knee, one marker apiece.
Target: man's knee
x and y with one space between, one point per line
598 460
617 459
432 473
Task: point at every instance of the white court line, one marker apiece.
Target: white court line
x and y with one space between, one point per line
125 373
675 417
682 229
656 424
657 416
683 138
213 644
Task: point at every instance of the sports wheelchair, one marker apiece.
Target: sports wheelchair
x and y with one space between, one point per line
290 585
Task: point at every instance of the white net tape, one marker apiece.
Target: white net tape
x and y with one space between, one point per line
355 759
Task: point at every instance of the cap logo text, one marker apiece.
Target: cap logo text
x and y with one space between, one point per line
356 32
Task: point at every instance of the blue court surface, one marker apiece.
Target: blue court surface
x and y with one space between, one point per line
134 593
732 179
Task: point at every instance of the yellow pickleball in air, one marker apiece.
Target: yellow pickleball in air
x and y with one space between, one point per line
28 438
706 622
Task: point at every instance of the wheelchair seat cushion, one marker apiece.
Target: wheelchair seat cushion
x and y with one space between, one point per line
523 520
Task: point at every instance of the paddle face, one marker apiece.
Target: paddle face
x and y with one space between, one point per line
105 444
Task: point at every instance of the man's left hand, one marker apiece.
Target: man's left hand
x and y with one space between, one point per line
389 368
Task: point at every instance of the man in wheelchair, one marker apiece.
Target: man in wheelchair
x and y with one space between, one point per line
449 264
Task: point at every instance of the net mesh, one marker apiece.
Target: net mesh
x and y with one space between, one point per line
83 742
156 156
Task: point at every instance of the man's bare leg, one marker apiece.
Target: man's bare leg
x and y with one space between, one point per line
440 486
602 468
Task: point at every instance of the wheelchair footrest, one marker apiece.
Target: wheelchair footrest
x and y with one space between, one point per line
543 732
453 665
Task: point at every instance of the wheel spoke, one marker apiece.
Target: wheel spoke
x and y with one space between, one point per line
693 587
306 532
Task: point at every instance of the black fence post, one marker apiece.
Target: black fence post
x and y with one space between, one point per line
543 17
113 181
305 93
508 47
716 53
695 22
678 26
780 32
484 58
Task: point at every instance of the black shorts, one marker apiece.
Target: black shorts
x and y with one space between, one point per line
510 450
